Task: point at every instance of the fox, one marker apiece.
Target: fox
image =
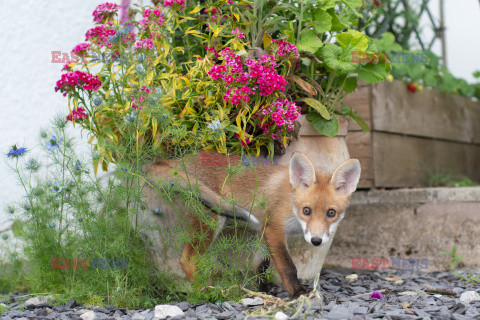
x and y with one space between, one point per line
298 200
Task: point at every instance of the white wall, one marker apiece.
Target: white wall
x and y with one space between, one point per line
32 29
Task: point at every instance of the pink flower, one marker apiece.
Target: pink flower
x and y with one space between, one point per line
286 49
376 295
151 17
238 32
81 49
77 115
104 11
171 3
72 79
100 35
247 141
143 44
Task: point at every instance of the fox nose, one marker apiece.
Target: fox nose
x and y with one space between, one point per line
316 241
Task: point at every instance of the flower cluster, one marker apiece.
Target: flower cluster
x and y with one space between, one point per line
171 3
280 115
215 14
143 44
238 32
286 49
101 34
81 79
81 49
77 114
140 97
247 78
151 16
104 11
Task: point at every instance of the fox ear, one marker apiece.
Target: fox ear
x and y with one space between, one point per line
302 172
345 178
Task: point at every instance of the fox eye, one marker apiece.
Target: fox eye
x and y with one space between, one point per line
307 211
331 213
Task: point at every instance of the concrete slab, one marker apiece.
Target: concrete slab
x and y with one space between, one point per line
409 224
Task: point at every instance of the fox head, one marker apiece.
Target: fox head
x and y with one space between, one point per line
319 200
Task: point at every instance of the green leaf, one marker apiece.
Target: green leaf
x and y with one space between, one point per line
353 3
322 21
328 128
326 4
353 40
373 72
338 59
337 25
309 41
350 84
320 108
387 43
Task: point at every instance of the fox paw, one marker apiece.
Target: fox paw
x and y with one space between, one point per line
301 292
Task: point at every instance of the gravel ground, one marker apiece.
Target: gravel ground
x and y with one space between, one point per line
405 295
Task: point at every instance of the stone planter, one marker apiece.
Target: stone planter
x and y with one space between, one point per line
325 153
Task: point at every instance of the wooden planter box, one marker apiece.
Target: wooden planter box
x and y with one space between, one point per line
413 136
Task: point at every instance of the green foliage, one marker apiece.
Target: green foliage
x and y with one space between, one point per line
455 257
74 216
470 278
169 81
427 71
449 180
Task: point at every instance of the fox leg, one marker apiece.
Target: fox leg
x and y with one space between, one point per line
277 245
203 237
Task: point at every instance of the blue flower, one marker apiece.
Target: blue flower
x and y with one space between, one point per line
141 57
56 188
16 152
214 125
172 183
130 118
27 207
5 236
53 143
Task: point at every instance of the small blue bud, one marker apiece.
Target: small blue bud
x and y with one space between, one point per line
5 236
140 68
141 57
98 101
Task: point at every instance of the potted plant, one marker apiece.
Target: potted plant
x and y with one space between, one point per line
237 77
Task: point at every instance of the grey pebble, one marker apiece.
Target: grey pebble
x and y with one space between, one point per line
184 306
339 312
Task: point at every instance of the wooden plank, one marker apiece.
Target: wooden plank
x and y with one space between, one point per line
360 101
430 113
360 147
402 161
359 144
